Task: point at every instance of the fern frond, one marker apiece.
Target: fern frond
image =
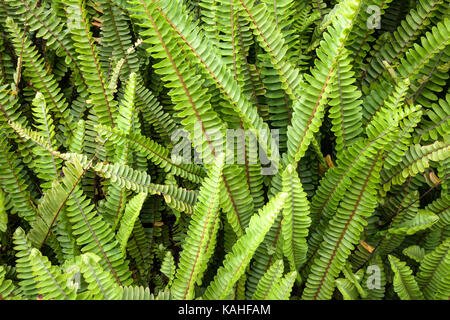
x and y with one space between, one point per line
50 27
428 84
345 102
235 199
442 293
168 267
77 142
209 17
389 97
407 32
440 207
405 284
87 54
47 166
343 232
155 153
101 284
177 198
422 220
308 111
187 92
403 140
415 161
153 112
124 176
238 259
27 281
51 281
271 277
14 184
94 235
282 289
8 291
414 252
6 64
374 280
296 220
195 253
136 293
42 81
138 247
362 33
208 59
434 268
439 124
132 211
350 165
271 40
3 213
403 210
116 37
431 44
53 203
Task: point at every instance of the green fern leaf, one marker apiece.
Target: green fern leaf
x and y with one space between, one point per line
343 233
272 276
434 268
42 81
404 283
168 267
347 289
282 289
14 184
423 220
101 283
296 219
414 252
8 291
199 234
53 203
128 220
51 281
237 260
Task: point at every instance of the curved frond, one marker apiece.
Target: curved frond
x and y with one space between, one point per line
42 81
195 248
433 270
14 184
343 233
101 284
51 281
7 289
422 220
414 252
282 289
415 161
270 278
53 203
128 220
238 259
296 220
405 284
155 153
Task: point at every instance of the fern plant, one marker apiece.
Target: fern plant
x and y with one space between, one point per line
230 149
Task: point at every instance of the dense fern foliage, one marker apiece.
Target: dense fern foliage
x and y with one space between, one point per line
117 180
